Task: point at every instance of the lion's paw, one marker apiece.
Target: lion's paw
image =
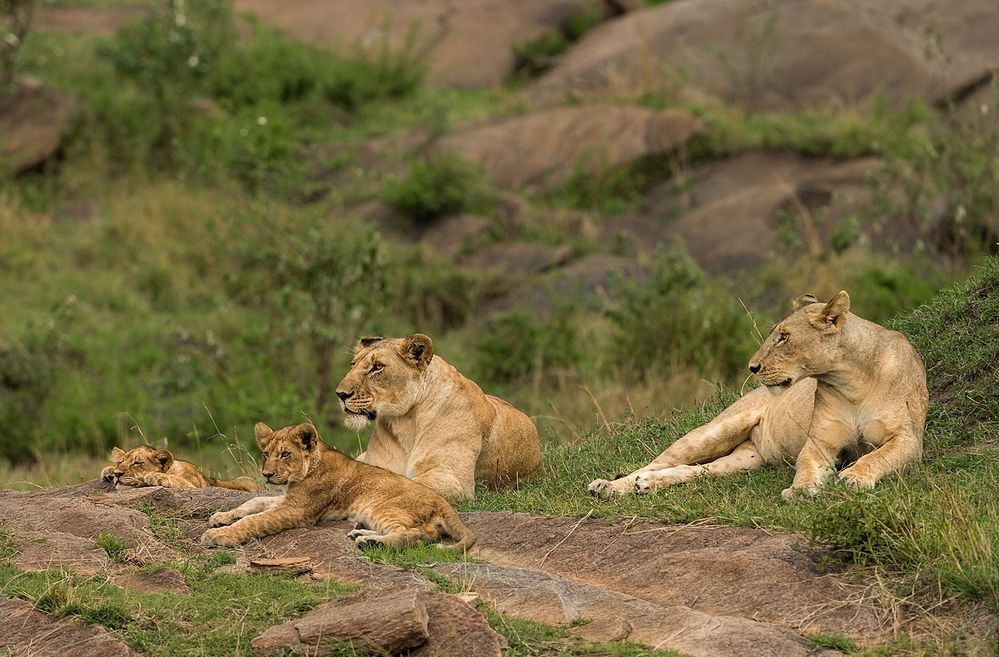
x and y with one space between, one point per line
220 519
361 541
604 489
643 483
854 479
218 538
799 493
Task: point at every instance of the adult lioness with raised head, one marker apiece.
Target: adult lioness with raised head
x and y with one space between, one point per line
431 423
148 466
324 484
836 386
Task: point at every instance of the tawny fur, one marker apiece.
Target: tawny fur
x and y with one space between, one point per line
836 386
148 466
323 483
431 423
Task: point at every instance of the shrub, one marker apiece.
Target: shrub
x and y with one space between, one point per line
318 290
377 73
678 318
268 69
438 187
514 345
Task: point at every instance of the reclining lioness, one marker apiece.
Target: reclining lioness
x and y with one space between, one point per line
432 424
325 484
835 384
148 466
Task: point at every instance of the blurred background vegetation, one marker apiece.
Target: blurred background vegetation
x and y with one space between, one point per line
220 209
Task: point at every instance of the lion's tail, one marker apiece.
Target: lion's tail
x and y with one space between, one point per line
459 531
239 483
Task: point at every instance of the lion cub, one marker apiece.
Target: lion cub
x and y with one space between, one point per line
326 484
148 466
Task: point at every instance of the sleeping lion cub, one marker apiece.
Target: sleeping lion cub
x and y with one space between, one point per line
148 466
325 484
835 385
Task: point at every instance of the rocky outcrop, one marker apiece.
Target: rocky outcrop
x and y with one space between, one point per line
786 55
34 121
729 213
543 149
469 42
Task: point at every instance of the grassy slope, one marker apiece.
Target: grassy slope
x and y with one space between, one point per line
940 520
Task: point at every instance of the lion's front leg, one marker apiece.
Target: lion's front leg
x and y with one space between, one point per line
247 508
816 461
164 479
902 448
255 526
708 442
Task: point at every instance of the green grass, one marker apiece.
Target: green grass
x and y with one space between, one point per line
114 546
938 524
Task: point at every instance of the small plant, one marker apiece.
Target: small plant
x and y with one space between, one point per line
835 642
15 21
438 187
535 56
115 547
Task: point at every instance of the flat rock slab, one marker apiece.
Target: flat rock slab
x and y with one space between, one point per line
472 40
27 632
61 532
544 148
34 120
722 571
391 621
546 598
784 56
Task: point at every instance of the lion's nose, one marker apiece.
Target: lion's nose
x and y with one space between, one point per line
754 368
344 396
267 475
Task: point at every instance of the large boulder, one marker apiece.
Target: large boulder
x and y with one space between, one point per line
731 213
545 148
785 55
470 43
34 121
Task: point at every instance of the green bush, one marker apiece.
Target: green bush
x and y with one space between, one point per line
438 187
379 73
515 345
269 69
319 290
678 317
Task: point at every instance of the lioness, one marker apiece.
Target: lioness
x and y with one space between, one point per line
325 484
432 424
835 384
148 466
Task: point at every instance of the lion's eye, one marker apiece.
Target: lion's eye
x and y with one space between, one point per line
376 368
782 337
285 455
135 463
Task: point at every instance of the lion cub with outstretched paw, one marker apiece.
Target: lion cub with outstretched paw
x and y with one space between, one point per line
324 484
835 385
148 466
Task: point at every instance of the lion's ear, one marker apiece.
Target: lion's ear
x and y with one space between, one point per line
418 349
833 315
263 434
164 458
307 436
802 301
117 454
